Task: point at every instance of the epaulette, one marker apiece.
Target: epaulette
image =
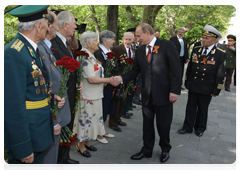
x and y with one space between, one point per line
221 49
17 45
198 46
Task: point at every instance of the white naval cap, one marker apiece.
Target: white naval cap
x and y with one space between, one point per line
211 31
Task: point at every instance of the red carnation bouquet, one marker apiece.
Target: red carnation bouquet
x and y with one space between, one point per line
67 65
81 55
67 138
111 60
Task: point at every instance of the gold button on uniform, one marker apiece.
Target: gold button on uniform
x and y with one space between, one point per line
201 79
197 67
204 69
203 74
195 77
196 72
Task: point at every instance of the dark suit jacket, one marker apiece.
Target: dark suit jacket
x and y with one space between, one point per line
160 76
98 54
178 45
59 51
206 78
120 50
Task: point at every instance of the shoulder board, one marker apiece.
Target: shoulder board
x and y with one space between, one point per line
17 45
221 49
198 46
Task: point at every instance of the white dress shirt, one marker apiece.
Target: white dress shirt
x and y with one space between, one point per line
208 50
105 51
151 44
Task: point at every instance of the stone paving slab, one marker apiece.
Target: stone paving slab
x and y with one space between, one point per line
216 146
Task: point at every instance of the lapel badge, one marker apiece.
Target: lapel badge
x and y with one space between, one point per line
31 52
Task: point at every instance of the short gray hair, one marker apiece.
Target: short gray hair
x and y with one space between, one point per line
105 35
128 33
181 28
87 36
27 26
63 17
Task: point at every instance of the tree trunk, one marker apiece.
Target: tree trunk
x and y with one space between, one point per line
149 14
112 19
97 28
130 16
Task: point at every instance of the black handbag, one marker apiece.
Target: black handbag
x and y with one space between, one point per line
119 94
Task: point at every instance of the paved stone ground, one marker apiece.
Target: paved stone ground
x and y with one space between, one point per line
216 146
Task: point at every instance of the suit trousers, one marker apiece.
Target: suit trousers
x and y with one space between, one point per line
108 102
229 72
196 112
118 110
38 158
182 60
164 116
51 154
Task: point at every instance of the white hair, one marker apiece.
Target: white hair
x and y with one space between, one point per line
26 26
128 33
64 17
87 36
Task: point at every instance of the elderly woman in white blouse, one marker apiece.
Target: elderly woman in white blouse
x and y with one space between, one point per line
89 123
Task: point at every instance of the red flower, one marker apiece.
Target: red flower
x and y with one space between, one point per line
112 54
135 90
129 60
68 63
79 53
54 117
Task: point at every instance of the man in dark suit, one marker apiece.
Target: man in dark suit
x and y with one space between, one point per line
204 79
124 51
62 48
181 44
158 62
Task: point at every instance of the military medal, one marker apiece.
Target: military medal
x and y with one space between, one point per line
34 66
43 90
35 73
37 91
36 83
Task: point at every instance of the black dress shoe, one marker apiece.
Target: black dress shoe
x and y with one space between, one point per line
130 114
198 133
133 106
137 102
117 129
86 153
122 124
164 157
71 161
183 131
227 90
91 148
126 117
139 156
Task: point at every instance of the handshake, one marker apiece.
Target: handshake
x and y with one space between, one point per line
115 81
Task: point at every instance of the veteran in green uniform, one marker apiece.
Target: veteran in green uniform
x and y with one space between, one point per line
204 80
28 124
230 49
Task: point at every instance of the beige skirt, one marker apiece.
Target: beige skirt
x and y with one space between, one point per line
89 123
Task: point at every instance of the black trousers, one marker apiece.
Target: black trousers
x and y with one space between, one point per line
196 112
38 158
164 116
182 60
236 75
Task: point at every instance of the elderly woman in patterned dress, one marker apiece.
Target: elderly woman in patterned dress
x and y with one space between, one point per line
89 123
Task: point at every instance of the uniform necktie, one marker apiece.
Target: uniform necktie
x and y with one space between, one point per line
149 53
129 53
205 52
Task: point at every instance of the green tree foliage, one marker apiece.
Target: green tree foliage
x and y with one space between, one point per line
167 20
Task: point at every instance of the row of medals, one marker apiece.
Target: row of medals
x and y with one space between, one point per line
38 73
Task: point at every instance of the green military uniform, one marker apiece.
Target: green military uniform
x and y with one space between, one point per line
28 124
231 62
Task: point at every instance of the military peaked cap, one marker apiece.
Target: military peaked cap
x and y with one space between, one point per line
27 13
231 37
211 32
